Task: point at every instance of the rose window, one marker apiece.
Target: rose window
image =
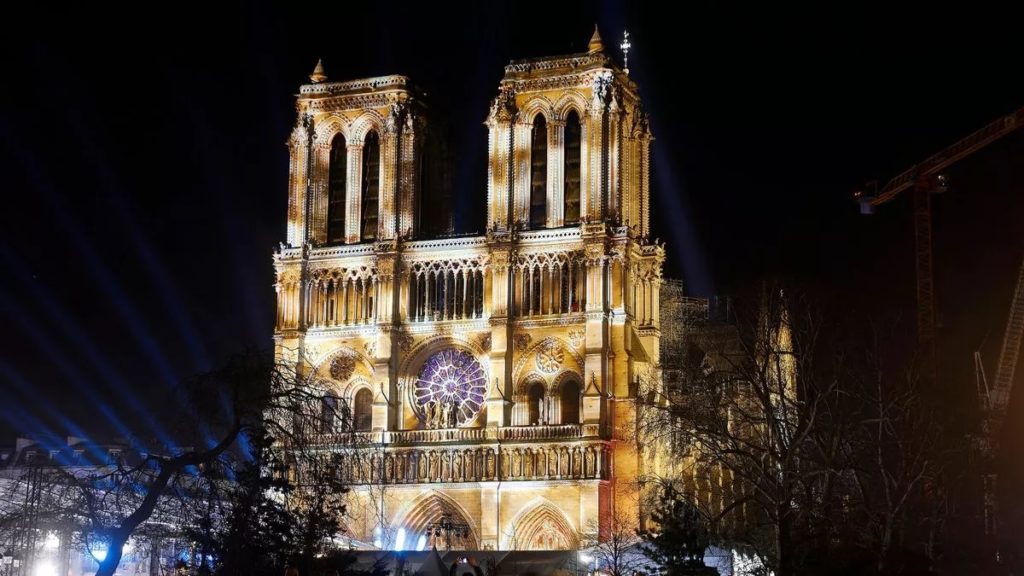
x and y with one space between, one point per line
450 389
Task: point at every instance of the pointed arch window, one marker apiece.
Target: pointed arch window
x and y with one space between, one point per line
570 400
336 184
370 187
571 170
363 410
539 173
328 414
535 399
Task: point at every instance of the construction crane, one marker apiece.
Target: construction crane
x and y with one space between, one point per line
995 400
926 178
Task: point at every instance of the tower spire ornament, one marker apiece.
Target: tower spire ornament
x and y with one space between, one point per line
596 45
318 74
625 51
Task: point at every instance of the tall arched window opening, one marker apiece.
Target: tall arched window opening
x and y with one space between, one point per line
328 414
535 398
539 173
336 184
363 410
371 187
570 400
571 170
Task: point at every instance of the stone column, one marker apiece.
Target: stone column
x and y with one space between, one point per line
613 156
500 350
556 178
154 556
408 187
387 217
490 500
298 154
354 184
499 154
521 170
320 165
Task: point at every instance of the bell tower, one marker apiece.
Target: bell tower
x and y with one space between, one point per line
584 113
354 161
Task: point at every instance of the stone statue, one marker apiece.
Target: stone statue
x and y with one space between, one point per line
447 415
428 414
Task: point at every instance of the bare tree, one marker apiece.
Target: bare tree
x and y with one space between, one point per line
617 549
746 421
897 454
250 396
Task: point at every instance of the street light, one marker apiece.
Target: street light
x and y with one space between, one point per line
448 526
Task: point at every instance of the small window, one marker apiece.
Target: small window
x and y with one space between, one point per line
570 398
363 411
328 415
535 397
539 174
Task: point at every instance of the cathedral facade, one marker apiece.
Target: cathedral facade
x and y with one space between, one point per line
490 377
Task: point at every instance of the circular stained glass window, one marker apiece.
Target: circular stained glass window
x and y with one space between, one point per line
450 389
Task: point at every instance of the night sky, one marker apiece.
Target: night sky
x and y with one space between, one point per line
144 166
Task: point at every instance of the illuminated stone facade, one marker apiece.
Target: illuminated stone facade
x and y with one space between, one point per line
491 375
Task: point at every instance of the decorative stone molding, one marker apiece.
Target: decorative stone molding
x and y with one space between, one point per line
393 81
577 337
405 340
524 355
342 366
549 357
522 341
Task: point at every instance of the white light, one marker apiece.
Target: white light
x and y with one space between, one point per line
100 554
45 569
52 541
400 539
421 543
377 543
586 559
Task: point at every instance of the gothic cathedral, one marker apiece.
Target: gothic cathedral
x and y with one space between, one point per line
492 376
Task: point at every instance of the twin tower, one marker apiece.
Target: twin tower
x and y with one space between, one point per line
489 377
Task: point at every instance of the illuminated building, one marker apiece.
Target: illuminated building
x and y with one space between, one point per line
491 374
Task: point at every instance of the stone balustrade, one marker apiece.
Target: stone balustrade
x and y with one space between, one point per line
441 435
460 435
386 465
556 432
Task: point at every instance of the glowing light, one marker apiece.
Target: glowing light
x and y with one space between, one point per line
45 569
421 543
625 51
52 541
450 378
400 539
376 538
99 554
